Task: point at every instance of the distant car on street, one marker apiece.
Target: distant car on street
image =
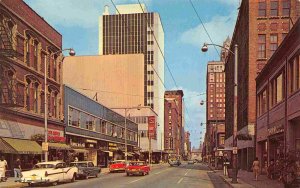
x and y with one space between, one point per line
174 160
117 166
137 168
191 162
86 169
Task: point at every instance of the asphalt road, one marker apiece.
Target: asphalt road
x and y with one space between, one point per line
184 176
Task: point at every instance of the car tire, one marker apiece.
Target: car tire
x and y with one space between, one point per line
144 174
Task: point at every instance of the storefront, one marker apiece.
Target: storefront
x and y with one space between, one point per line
29 152
84 149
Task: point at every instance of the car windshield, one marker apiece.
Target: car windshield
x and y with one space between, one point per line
117 162
137 164
79 164
38 166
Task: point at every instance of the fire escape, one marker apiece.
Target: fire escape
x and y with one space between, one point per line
10 95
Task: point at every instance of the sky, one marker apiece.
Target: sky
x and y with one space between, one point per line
77 21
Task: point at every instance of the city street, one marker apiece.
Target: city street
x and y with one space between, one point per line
183 176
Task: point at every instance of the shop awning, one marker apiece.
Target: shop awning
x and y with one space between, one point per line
59 146
81 150
5 148
24 146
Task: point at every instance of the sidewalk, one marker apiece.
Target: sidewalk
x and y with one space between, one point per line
246 180
10 183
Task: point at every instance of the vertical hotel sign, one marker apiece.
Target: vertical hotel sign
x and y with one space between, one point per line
151 127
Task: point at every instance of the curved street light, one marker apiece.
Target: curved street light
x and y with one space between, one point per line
71 53
234 151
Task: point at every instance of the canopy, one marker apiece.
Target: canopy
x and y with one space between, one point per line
23 146
60 146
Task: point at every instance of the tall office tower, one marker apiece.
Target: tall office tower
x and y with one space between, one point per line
133 30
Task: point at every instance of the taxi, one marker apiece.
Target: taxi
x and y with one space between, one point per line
137 168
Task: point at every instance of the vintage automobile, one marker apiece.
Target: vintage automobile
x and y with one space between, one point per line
117 166
49 172
137 168
174 160
86 169
191 161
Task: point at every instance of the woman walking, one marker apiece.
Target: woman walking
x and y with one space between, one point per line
255 167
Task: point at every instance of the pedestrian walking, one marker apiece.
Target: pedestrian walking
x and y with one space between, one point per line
271 169
3 167
226 164
255 168
17 170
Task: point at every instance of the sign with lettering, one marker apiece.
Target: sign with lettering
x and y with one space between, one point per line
151 127
276 129
56 136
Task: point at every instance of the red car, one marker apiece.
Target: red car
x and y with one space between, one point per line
137 168
117 166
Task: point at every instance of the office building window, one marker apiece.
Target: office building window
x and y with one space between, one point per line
273 43
274 8
294 72
286 8
261 46
262 9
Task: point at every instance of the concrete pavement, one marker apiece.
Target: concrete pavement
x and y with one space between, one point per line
161 176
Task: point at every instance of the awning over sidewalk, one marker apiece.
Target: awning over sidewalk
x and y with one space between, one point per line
6 148
60 146
23 146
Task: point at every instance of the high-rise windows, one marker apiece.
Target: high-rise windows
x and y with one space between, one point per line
261 46
262 9
286 8
274 8
273 43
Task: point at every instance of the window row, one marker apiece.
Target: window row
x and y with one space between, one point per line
274 93
274 8
86 121
35 57
262 44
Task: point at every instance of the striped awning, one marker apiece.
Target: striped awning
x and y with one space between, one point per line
6 148
23 146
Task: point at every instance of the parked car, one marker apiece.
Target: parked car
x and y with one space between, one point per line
137 168
117 166
49 172
86 169
191 162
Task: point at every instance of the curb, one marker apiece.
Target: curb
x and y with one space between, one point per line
229 184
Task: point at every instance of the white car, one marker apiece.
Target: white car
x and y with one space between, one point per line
49 172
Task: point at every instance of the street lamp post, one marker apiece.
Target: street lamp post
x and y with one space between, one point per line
71 53
125 125
234 141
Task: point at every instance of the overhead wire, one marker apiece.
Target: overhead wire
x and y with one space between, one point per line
198 16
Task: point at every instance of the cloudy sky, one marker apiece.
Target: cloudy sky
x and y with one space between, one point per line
77 21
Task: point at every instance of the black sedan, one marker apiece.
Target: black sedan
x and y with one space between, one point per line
86 169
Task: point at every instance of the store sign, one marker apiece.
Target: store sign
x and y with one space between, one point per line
151 127
56 136
45 146
77 144
112 146
276 129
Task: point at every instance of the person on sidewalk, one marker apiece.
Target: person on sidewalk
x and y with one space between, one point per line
255 168
3 167
270 170
226 164
17 170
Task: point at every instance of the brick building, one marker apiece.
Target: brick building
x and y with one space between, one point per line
187 146
278 99
26 42
261 26
173 122
215 108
